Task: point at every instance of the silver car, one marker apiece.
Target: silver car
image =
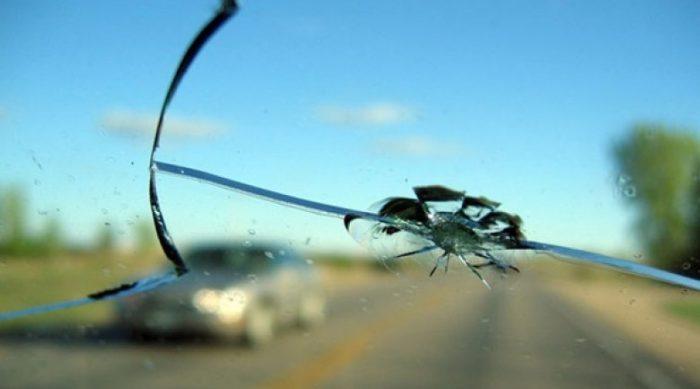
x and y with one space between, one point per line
234 291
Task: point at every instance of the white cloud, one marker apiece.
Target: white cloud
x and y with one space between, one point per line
416 146
375 114
139 123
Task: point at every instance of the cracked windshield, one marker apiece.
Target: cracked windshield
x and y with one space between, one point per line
327 194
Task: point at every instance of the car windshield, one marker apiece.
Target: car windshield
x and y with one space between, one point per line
340 194
238 259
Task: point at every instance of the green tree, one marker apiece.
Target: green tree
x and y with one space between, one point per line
51 238
3 225
105 239
13 221
658 168
694 268
144 236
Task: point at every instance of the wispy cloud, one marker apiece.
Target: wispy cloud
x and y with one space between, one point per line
128 122
416 146
375 114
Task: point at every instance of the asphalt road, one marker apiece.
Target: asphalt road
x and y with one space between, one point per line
446 331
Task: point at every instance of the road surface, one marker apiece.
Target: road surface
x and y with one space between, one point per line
409 331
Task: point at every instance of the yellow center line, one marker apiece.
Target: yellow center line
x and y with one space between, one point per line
315 370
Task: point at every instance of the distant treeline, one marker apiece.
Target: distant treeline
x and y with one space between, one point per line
16 239
660 177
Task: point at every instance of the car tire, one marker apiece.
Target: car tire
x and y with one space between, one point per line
259 325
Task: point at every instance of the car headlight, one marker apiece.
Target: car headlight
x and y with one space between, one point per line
228 304
233 303
206 300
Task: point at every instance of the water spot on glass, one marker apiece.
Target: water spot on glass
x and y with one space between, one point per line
309 261
281 252
632 301
626 186
580 340
36 161
251 231
269 255
247 243
108 224
206 273
252 278
307 241
37 182
148 364
686 266
364 301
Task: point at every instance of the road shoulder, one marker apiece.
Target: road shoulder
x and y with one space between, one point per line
636 309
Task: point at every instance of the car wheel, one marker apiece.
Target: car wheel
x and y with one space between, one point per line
260 325
312 310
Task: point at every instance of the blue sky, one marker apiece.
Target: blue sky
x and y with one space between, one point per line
343 102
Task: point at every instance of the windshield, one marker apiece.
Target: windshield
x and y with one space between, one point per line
350 194
237 259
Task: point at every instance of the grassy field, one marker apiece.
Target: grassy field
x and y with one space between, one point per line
687 310
33 281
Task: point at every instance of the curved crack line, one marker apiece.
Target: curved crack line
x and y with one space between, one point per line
225 11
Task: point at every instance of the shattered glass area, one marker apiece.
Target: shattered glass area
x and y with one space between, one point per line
472 228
